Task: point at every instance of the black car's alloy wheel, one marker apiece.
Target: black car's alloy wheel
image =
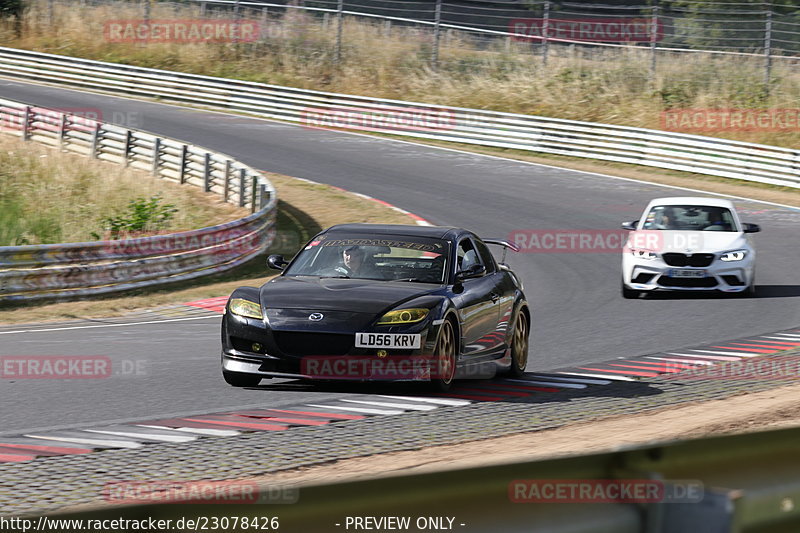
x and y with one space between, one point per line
519 345
445 357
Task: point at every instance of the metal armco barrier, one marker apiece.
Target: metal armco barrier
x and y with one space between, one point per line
315 109
744 483
59 271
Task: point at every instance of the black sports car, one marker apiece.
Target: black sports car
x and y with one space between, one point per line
380 302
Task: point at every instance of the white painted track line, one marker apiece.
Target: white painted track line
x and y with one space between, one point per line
604 376
358 409
92 442
410 406
441 401
199 431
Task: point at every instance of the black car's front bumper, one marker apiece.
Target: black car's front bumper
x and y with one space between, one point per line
250 346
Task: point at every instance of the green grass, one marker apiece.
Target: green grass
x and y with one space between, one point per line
48 197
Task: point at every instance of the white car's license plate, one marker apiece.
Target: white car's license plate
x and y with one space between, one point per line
676 273
410 341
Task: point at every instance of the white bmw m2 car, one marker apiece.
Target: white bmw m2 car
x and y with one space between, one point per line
689 244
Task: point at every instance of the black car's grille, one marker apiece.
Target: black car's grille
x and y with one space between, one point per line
666 281
302 344
693 260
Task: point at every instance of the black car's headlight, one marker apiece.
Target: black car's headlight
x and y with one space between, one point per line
403 316
242 307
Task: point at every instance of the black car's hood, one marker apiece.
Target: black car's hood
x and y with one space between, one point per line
336 294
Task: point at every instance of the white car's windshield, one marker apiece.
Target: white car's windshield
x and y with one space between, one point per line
689 218
391 258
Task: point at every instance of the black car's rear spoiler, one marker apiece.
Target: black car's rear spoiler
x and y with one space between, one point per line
506 247
504 243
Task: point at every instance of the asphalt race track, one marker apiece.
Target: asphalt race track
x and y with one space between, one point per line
578 315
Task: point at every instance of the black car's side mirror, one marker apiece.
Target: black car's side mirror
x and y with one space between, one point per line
277 262
630 225
751 228
475 271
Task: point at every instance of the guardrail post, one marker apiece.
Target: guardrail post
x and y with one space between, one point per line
157 157
236 25
262 196
184 152
126 152
227 180
95 140
26 119
253 191
242 178
264 22
437 32
207 173
768 49
653 41
62 129
545 33
146 17
50 16
202 9
339 21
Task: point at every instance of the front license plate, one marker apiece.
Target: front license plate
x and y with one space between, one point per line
675 273
388 340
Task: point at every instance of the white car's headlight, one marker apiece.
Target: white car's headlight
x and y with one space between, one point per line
736 255
644 254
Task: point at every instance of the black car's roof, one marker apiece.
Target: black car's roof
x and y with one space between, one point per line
436 232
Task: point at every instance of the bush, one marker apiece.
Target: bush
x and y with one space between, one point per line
142 216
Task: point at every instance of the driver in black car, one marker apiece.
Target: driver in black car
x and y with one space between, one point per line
356 264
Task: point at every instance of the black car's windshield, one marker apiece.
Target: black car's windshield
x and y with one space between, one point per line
690 217
388 258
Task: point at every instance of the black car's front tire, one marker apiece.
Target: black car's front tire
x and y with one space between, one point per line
444 358
519 345
237 379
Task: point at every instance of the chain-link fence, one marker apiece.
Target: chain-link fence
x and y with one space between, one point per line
764 29
616 64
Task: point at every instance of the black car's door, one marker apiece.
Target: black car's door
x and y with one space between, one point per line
477 300
505 288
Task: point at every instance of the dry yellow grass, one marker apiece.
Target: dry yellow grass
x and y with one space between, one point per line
305 206
608 86
49 196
